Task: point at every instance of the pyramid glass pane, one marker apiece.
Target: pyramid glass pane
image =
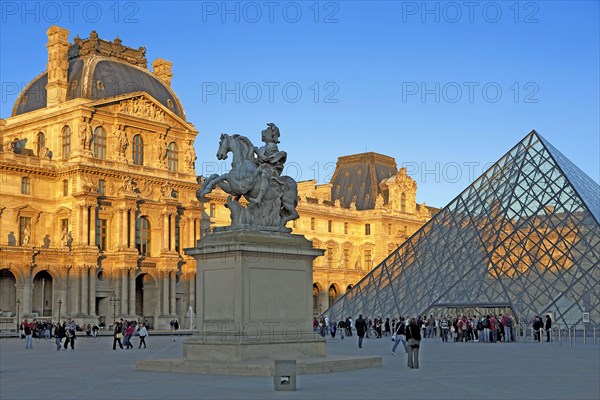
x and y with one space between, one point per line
524 235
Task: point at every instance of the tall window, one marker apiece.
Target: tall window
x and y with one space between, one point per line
100 143
330 251
389 229
138 150
368 259
312 224
66 142
25 231
367 229
346 257
101 187
25 185
65 187
213 210
101 234
172 156
329 225
345 228
40 143
142 242
403 202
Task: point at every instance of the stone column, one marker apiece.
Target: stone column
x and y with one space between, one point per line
172 234
92 297
165 292
165 238
74 281
82 223
124 291
123 227
132 292
27 292
131 231
173 293
84 289
92 225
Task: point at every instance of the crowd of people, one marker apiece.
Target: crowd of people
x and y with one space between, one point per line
123 330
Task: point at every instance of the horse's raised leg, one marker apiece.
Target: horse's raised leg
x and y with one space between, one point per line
209 184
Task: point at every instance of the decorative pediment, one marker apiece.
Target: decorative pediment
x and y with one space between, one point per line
27 211
63 211
141 105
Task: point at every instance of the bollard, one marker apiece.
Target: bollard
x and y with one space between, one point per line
284 377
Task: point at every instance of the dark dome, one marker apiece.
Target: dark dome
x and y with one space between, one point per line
98 78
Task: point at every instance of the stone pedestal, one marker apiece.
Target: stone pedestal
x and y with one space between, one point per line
254 298
254 303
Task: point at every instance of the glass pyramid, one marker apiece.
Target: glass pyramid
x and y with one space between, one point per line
525 236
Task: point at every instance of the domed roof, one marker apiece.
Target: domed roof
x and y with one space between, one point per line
95 74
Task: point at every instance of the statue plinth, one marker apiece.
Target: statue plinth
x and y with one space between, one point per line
255 290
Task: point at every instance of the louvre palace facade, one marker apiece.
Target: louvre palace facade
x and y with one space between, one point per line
98 196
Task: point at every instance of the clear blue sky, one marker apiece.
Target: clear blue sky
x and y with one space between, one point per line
443 87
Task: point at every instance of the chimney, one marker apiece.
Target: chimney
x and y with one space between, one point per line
58 65
162 69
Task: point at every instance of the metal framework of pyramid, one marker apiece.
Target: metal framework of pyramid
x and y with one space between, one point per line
525 235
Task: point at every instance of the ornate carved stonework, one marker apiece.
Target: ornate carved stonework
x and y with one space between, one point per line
95 45
142 108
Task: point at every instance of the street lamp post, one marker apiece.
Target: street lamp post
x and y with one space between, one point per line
59 305
114 300
18 317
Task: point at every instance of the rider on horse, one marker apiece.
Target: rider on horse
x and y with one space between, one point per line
270 161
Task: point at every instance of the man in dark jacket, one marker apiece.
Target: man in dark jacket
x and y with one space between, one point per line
548 327
361 327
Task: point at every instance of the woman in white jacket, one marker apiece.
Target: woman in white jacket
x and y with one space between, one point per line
143 334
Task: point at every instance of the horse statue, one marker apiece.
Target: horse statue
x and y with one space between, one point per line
272 199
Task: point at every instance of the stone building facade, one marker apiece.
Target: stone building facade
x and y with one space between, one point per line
98 196
98 189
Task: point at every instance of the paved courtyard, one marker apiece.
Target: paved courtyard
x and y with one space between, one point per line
448 371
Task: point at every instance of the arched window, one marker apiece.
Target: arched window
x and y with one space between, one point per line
66 142
142 236
367 229
100 143
315 297
138 150
40 143
172 157
403 202
332 295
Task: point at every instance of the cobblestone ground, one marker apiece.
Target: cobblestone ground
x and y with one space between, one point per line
448 371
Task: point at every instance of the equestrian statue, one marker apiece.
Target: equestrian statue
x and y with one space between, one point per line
255 175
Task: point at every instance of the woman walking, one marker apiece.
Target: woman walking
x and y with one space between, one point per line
413 335
143 334
118 334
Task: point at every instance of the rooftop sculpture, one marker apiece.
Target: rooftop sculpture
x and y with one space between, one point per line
255 175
